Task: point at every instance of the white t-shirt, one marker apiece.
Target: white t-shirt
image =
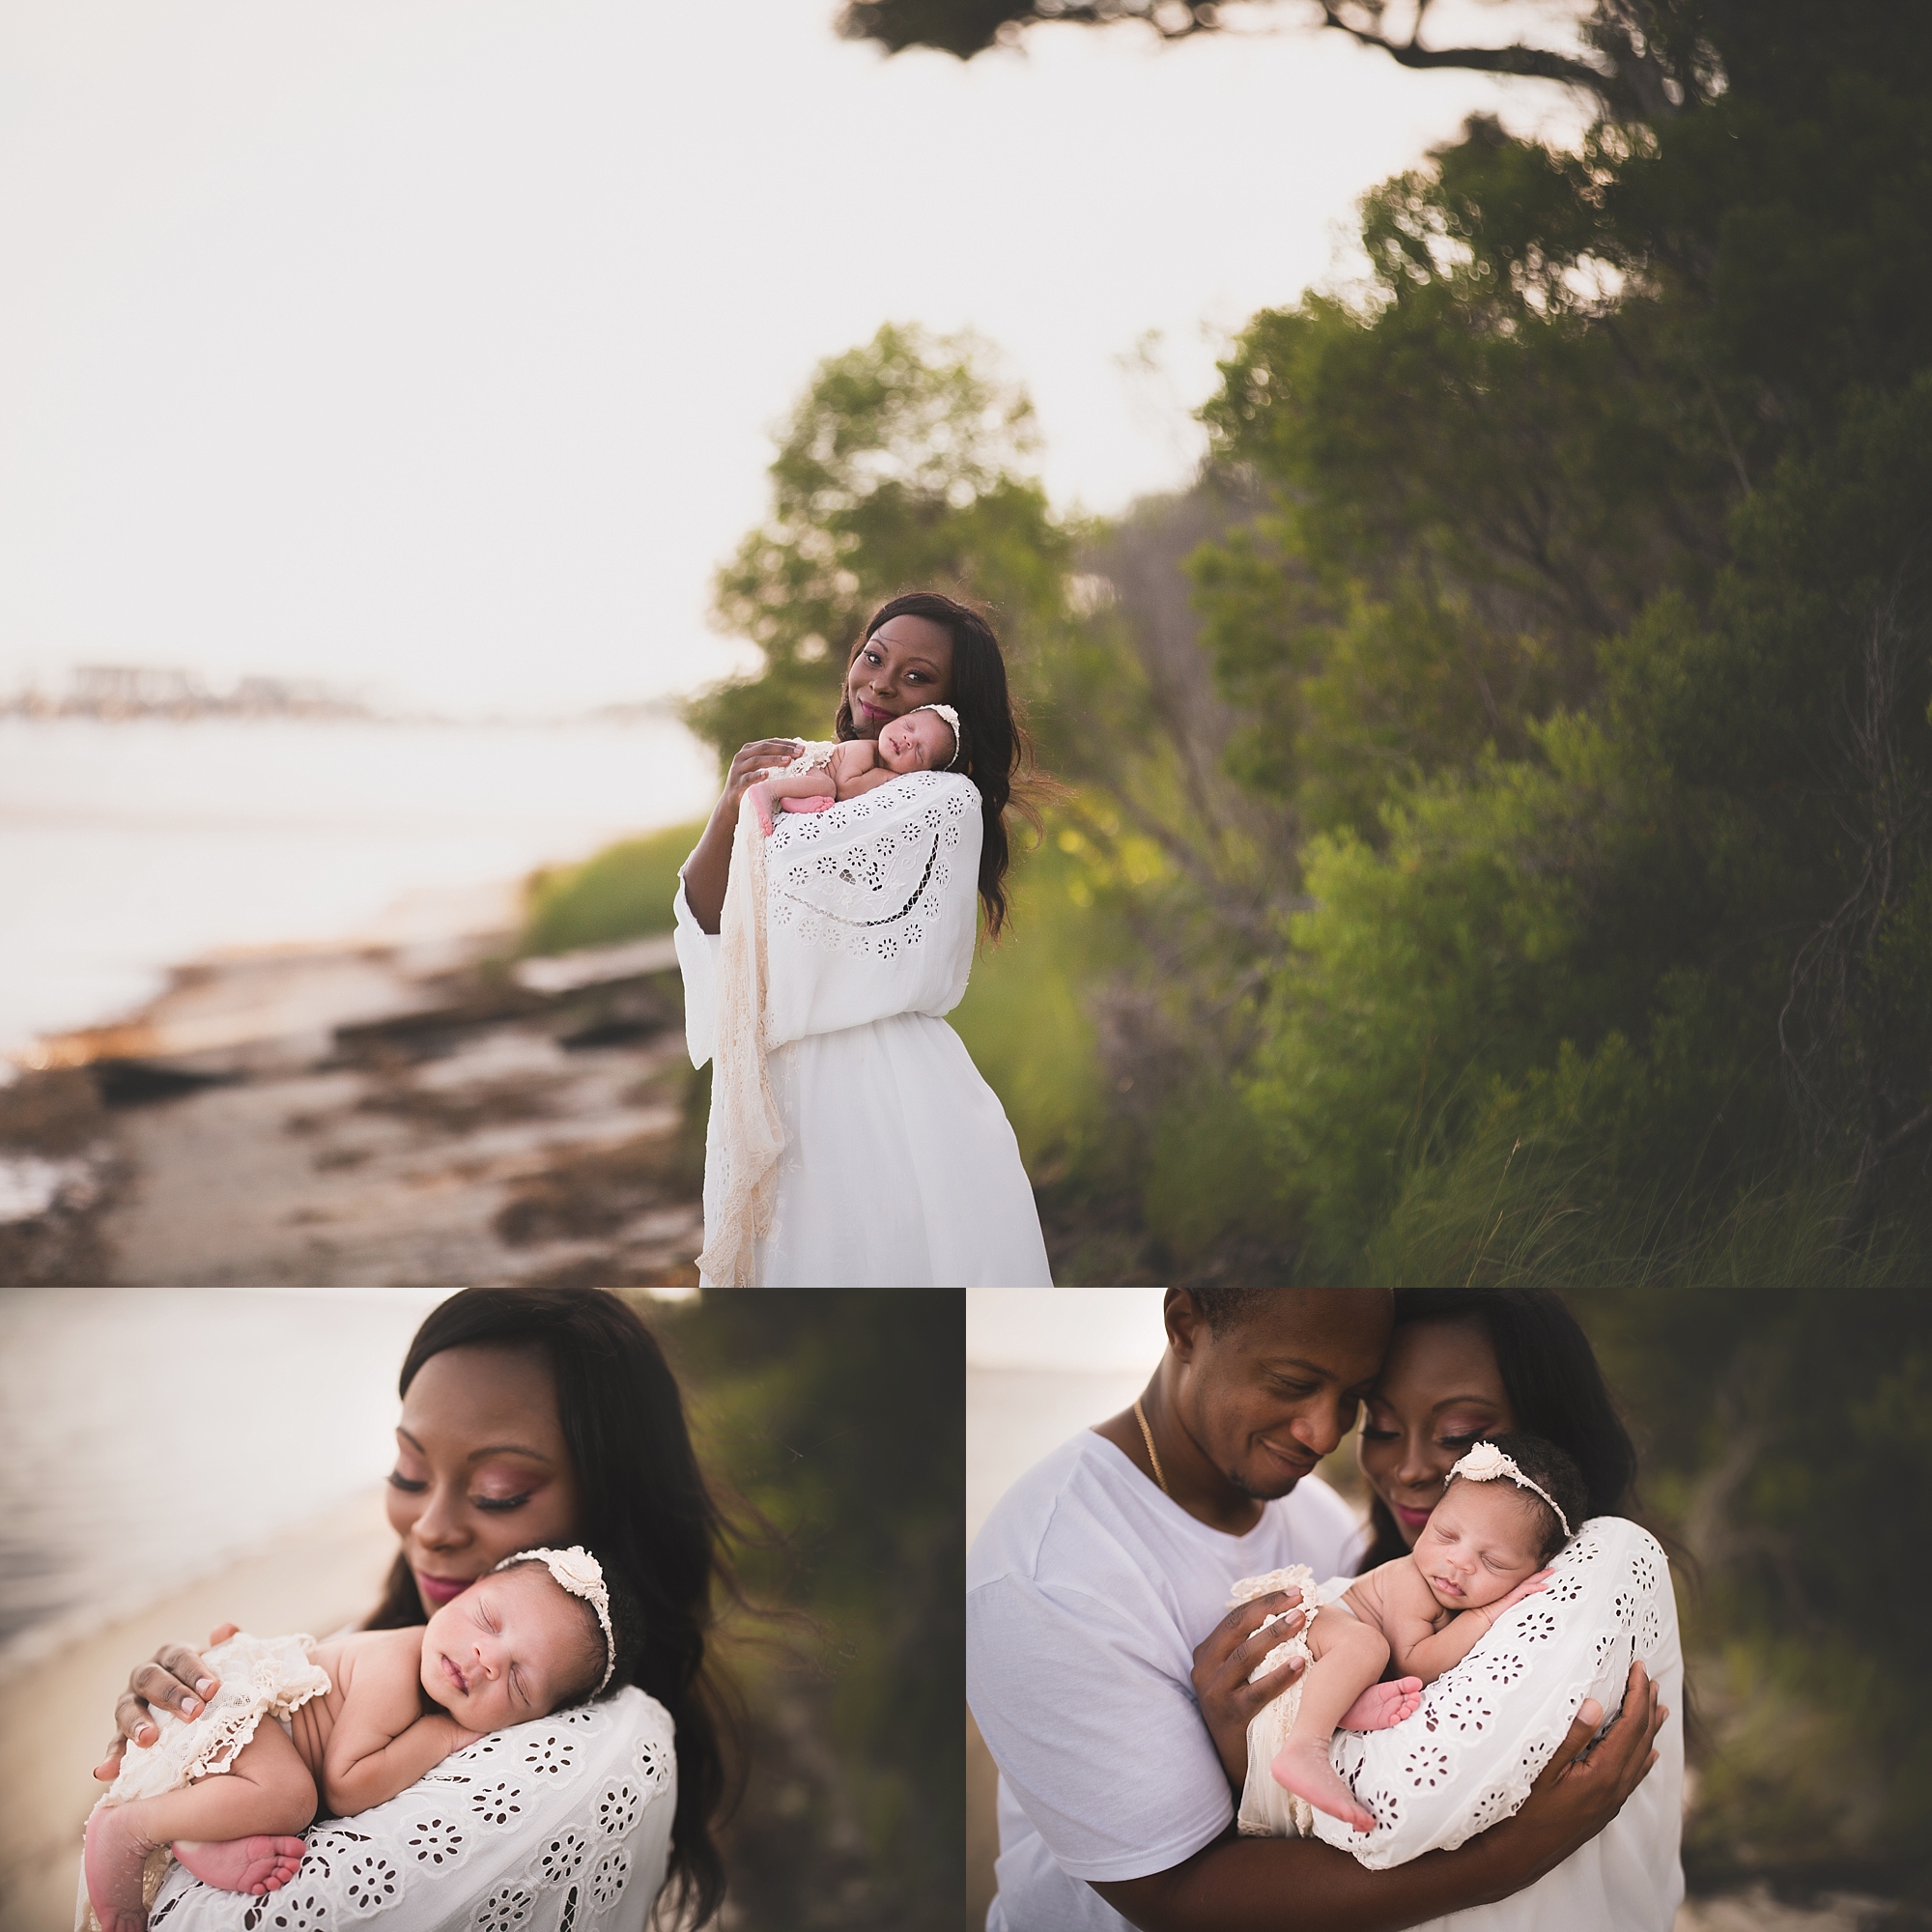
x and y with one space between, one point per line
1085 1593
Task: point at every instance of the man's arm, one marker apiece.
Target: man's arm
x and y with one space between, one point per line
382 1744
1272 1885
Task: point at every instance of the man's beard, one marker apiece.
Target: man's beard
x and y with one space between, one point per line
1240 1484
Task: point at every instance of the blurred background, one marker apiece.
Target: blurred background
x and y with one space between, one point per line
1806 1797
835 1416
1454 500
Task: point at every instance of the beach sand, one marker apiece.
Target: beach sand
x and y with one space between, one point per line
401 1107
60 1707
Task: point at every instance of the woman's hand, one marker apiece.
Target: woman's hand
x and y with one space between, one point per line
708 869
1585 1785
174 1679
1222 1661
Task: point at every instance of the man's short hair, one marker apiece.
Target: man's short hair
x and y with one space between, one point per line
1226 1309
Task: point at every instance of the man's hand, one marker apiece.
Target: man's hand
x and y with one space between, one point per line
174 1679
1222 1661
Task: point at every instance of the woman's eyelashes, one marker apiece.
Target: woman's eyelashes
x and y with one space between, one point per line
412 1487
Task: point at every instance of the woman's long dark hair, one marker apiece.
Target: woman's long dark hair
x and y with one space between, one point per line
646 1512
996 744
1554 1386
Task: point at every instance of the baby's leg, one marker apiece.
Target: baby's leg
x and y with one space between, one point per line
774 790
267 1791
261 1853
1349 1657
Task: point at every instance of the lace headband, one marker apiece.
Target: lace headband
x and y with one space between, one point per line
952 717
1485 1462
582 1575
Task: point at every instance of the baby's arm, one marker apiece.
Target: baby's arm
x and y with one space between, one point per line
1417 1647
381 1743
855 767
776 789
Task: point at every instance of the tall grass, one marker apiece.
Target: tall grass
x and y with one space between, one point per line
623 892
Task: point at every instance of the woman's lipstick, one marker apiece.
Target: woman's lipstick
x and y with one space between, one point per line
1409 1519
441 1590
874 715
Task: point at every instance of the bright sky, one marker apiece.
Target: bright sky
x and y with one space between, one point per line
433 346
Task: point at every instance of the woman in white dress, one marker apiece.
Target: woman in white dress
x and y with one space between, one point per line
887 1161
1465 1364
531 1416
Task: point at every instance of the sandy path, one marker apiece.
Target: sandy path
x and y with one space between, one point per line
60 1709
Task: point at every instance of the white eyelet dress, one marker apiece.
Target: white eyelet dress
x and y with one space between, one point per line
562 1824
889 1161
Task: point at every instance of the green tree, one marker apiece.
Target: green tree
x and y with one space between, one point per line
907 465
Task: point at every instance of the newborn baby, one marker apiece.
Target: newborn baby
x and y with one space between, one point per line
1506 1510
926 739
360 1719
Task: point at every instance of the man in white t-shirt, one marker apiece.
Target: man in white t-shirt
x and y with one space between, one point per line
1112 1691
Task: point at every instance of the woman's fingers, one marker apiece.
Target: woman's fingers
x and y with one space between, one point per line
109 1767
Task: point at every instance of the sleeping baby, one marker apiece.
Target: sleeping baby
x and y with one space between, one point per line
357 1720
924 739
1506 1510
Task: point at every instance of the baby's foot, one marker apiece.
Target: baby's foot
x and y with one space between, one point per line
818 802
116 1848
1382 1705
241 1865
1305 1770
761 799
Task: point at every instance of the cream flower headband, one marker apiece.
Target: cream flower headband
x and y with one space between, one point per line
582 1575
1485 1462
952 717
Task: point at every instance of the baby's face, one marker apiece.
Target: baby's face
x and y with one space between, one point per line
509 1649
921 741
1480 1542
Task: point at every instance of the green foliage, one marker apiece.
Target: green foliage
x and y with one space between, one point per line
840 1416
620 892
906 465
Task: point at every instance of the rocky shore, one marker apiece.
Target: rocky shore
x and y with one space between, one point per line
407 1106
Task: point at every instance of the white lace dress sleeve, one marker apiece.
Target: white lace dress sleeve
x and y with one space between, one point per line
1486 1728
559 1826
900 1168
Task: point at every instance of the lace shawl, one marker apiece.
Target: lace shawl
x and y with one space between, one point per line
747 1131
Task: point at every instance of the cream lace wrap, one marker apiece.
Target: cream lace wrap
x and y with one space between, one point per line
261 1676
747 1130
1267 1811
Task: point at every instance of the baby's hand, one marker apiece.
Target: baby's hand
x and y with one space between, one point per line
1528 1587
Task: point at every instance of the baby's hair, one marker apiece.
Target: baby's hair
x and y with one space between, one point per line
627 1628
1553 1469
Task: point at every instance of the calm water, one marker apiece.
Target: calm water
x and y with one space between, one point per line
126 848
121 1479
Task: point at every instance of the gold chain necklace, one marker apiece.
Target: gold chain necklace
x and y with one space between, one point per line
1147 1437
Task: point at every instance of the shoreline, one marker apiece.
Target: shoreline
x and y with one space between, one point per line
316 1577
404 1104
